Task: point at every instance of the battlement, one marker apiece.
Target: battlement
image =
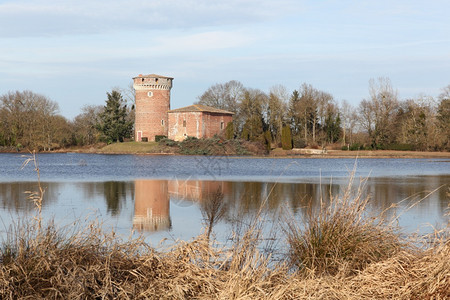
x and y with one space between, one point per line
153 82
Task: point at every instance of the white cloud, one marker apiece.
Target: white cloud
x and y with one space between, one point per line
47 17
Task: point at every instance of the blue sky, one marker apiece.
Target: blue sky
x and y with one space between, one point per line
74 51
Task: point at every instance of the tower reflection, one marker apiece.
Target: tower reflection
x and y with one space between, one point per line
151 205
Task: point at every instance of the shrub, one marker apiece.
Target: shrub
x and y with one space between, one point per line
160 137
229 131
401 147
286 140
340 238
168 142
299 142
245 134
268 140
356 146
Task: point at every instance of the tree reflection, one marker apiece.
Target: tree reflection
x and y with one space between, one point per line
115 192
213 209
13 195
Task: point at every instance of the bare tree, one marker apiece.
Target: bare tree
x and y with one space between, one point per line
85 124
443 118
28 117
349 119
377 114
224 96
276 111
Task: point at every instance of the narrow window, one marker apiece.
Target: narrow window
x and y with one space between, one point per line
184 123
221 125
150 94
162 122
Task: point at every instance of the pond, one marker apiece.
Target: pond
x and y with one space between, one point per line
170 197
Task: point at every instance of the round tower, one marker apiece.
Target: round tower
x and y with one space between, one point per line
151 106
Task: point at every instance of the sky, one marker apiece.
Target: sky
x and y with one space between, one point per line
75 51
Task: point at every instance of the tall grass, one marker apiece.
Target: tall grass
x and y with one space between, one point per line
342 236
339 251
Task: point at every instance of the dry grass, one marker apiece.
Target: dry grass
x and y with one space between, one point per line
341 237
340 252
65 264
93 265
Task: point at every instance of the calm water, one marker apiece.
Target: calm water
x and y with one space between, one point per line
170 196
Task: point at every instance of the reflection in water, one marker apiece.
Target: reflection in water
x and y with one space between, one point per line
14 195
115 194
151 205
195 190
223 202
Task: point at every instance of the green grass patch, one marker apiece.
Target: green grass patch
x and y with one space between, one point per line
130 147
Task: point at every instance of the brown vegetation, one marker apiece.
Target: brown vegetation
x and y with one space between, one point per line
338 252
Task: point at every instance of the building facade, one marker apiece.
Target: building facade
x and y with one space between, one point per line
154 117
152 103
198 121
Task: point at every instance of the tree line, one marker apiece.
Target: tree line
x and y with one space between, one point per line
31 121
310 117
304 117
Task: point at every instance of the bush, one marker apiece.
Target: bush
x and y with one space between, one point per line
401 147
268 140
229 131
168 142
299 142
160 137
355 147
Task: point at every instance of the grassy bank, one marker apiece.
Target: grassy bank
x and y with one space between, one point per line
130 148
190 146
340 251
220 146
243 148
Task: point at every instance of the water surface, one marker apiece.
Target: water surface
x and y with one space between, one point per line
170 196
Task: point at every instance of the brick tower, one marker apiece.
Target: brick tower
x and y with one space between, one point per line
152 105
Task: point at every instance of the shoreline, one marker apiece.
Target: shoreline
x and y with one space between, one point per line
278 153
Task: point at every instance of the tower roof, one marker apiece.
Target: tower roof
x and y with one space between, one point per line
201 108
152 76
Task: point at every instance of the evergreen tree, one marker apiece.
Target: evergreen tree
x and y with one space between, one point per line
286 138
229 131
113 123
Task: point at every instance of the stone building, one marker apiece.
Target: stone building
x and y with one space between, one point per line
154 117
198 121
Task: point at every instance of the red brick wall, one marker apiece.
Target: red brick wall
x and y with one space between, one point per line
193 127
213 121
198 124
151 112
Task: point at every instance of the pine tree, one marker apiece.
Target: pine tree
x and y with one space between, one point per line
113 121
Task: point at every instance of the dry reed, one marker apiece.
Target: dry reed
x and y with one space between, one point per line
341 237
353 257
